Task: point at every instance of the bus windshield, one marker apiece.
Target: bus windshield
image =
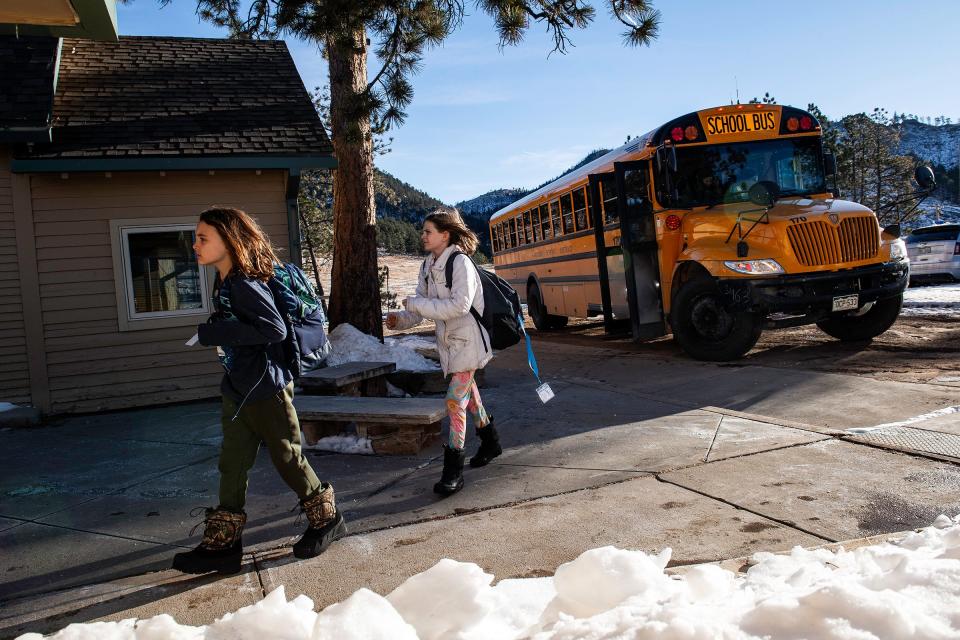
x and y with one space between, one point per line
724 173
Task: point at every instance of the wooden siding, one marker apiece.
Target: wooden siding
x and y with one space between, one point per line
14 368
92 365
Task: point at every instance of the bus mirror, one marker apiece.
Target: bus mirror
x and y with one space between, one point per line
925 178
829 164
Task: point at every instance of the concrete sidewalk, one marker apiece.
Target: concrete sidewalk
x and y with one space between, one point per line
636 451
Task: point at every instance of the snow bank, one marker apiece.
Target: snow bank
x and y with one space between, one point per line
6 406
907 590
932 300
352 345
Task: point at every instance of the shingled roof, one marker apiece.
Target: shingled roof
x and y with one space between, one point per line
160 97
27 69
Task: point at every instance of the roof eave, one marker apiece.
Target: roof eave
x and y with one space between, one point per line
98 21
179 163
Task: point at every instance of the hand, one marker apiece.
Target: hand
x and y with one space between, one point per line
391 321
406 303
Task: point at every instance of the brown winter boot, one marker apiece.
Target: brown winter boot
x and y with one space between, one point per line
326 523
221 549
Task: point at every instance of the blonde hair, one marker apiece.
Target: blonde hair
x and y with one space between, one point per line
449 220
249 247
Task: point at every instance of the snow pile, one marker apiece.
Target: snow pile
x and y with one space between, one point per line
341 444
6 406
904 590
349 344
943 299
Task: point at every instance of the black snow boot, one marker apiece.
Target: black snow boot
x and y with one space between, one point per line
326 524
221 549
451 480
489 446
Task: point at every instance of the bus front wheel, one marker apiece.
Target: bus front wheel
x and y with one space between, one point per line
864 326
705 329
542 320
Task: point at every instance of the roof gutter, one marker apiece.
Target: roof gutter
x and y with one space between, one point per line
172 163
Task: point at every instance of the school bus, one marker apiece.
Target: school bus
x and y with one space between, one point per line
714 226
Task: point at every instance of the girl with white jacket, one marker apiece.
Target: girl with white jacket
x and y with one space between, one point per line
462 342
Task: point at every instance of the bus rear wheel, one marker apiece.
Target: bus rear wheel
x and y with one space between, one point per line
864 326
705 329
542 320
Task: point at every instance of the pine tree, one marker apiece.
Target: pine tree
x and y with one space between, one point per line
361 108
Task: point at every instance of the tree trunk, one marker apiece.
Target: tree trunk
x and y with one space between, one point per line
354 291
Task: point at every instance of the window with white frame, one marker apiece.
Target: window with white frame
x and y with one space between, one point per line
160 279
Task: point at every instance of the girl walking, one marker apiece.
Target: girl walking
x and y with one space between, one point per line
462 342
257 389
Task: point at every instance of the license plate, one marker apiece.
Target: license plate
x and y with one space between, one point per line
846 303
922 251
724 124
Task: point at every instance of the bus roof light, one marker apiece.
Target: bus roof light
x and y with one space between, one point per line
691 133
806 123
677 134
793 124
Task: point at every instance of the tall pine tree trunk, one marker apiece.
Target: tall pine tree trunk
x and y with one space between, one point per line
354 291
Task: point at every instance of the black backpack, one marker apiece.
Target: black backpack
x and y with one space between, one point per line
502 316
306 346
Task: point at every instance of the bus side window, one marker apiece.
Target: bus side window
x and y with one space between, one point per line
513 232
545 222
580 209
494 240
503 240
528 232
608 187
555 217
566 208
535 222
521 240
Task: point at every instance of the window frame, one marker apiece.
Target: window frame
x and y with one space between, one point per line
127 317
568 197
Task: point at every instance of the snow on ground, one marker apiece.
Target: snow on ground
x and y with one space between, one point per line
6 406
341 444
905 590
352 345
939 299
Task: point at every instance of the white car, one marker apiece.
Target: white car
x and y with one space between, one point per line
934 252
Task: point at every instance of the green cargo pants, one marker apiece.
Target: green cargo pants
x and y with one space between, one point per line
273 422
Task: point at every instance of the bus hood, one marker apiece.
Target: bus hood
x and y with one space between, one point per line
801 234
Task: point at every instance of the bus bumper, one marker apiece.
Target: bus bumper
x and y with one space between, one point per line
813 293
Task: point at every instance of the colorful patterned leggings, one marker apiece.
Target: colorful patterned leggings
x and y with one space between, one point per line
463 396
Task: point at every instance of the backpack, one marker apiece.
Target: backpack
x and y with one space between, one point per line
306 347
502 316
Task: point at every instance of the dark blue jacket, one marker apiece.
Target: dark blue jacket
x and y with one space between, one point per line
250 332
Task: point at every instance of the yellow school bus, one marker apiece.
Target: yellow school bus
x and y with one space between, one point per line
714 226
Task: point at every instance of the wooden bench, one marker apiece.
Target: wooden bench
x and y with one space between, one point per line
394 425
366 379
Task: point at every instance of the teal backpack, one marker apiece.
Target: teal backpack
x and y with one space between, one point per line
306 347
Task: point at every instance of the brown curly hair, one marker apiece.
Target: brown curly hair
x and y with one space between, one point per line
249 247
460 234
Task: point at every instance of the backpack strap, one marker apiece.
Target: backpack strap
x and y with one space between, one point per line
448 275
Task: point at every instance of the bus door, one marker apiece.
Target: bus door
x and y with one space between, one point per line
605 253
638 240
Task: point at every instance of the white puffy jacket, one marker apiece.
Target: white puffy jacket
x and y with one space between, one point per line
461 339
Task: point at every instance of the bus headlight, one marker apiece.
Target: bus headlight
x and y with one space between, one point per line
898 250
754 267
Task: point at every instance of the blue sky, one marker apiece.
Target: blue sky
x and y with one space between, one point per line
484 118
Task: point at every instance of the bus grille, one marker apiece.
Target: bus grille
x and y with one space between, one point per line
821 243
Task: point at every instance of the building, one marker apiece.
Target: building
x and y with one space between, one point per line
108 152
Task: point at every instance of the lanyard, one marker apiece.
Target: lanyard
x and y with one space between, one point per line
531 360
